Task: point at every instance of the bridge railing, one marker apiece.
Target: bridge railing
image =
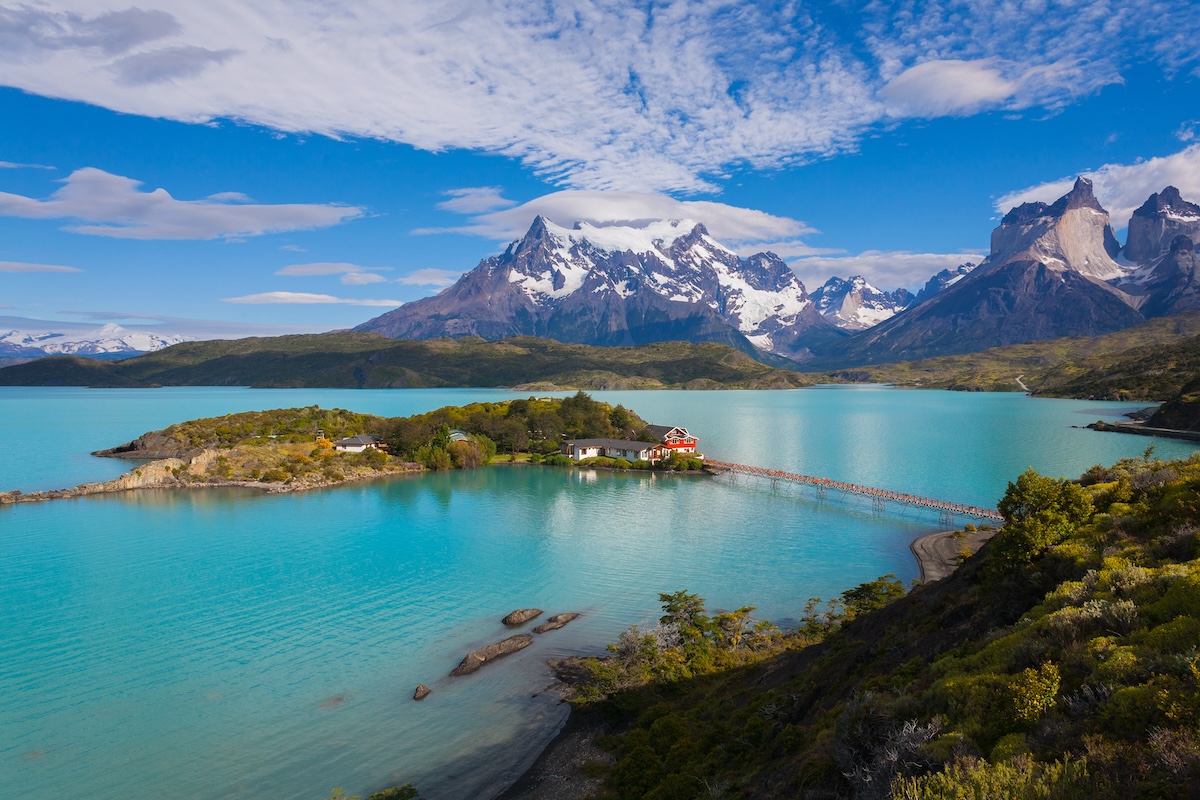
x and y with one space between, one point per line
905 498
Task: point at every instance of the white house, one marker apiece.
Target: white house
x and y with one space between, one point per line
579 449
357 444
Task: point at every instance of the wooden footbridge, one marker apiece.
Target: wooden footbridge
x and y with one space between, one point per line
879 497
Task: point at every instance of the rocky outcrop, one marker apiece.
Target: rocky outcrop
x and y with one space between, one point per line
1172 282
665 280
521 616
1154 226
421 692
151 446
155 475
555 622
477 658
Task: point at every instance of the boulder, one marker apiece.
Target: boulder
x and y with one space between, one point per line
521 616
422 691
483 655
554 623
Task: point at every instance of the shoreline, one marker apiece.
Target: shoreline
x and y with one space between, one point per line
558 772
169 473
938 554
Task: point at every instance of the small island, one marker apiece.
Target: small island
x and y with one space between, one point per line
297 449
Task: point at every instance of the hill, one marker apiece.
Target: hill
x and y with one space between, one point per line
1150 361
369 361
1058 662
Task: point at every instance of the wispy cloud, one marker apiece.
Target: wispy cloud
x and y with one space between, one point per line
729 224
305 298
885 269
1121 188
115 206
15 165
693 91
430 277
953 87
20 266
475 200
351 274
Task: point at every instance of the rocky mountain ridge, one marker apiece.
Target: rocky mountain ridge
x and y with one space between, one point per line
622 285
854 305
1054 269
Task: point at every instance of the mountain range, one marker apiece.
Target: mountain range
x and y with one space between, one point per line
1053 270
25 339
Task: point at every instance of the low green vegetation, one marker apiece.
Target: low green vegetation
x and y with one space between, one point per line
1150 361
370 361
1061 661
295 446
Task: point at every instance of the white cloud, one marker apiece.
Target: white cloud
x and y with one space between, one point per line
430 277
948 87
351 274
20 266
886 270
595 94
1121 188
168 64
475 200
306 298
14 165
728 224
114 206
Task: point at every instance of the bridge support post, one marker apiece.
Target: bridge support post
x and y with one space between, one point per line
947 518
822 491
878 503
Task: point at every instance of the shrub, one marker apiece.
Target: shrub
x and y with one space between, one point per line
1032 693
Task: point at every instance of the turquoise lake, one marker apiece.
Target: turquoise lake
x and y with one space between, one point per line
228 644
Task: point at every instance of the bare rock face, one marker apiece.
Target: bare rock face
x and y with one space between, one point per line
477 658
421 692
555 622
521 616
1154 227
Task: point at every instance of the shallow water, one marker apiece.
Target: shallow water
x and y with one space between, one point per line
226 644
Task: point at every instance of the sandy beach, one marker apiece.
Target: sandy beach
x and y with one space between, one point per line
938 553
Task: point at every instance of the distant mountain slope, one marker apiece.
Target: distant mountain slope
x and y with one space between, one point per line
365 360
622 285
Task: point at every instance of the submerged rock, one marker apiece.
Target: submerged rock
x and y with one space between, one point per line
555 622
421 692
483 655
521 616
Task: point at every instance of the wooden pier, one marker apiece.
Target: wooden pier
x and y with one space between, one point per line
880 497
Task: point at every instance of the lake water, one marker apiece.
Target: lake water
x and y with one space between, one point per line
226 644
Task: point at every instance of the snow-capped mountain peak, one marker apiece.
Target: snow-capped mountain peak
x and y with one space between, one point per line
855 305
639 280
107 339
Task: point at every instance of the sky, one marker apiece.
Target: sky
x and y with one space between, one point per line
230 168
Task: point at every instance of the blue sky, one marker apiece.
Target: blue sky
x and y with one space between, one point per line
226 168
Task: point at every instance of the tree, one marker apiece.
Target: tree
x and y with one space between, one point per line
872 596
1039 512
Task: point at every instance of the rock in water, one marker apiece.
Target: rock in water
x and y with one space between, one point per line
521 616
422 691
483 655
554 623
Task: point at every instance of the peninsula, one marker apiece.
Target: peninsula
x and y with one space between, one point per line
297 449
